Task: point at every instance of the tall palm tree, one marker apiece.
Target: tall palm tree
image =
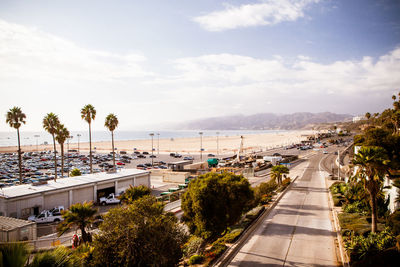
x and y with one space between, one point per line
277 172
368 115
372 162
88 113
15 118
80 215
111 123
50 124
61 136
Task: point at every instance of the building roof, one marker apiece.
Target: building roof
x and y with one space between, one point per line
63 183
9 223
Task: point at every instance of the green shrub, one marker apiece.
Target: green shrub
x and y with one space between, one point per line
193 245
337 201
360 247
75 172
355 207
393 221
229 237
196 259
218 249
338 188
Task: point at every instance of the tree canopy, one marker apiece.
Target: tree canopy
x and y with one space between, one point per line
134 193
215 201
140 234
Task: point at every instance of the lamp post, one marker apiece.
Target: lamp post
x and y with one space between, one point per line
69 137
152 149
158 144
79 135
37 146
201 145
217 144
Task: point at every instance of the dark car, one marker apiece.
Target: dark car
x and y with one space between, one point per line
141 156
152 156
136 152
145 153
211 155
178 155
172 154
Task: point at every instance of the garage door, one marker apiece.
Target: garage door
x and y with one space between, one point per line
106 185
58 199
82 194
124 184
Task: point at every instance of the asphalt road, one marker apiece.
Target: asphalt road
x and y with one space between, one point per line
298 231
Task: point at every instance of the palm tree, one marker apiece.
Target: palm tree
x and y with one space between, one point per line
277 172
111 123
61 136
50 124
372 162
15 118
88 113
79 215
368 115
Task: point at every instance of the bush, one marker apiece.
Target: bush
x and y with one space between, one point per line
355 207
393 221
196 259
193 246
217 249
338 188
360 247
338 200
75 172
285 182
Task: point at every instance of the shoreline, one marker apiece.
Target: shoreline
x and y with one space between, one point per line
226 144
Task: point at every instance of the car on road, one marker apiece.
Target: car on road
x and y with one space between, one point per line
152 156
211 155
177 155
120 163
141 156
145 153
188 158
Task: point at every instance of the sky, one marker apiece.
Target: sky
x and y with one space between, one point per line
155 63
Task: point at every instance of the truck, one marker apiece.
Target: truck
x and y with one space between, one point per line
46 217
110 199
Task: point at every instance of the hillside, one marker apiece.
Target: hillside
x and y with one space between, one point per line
265 121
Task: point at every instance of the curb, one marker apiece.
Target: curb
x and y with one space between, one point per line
344 258
231 251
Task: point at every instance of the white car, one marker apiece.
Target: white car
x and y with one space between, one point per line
111 199
45 217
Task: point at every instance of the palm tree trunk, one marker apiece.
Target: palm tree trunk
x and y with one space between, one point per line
90 148
373 212
84 234
62 160
55 159
19 158
113 151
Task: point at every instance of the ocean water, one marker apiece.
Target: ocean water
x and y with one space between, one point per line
33 138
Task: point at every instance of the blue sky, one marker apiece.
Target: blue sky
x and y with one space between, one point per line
154 62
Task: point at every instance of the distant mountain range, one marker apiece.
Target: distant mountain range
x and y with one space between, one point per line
265 121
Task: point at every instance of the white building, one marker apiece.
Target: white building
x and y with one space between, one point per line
24 200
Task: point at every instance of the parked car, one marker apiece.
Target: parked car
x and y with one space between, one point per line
145 153
152 156
120 163
188 158
45 217
211 155
141 156
111 199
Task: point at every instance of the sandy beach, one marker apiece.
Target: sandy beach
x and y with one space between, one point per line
226 144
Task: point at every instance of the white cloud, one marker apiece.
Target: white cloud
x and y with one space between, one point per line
44 73
34 54
268 12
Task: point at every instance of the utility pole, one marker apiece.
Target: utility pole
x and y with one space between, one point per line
152 149
201 145
217 145
79 135
37 145
338 174
69 137
158 144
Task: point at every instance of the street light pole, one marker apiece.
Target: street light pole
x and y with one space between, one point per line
69 137
152 150
79 135
217 145
37 146
201 145
158 144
